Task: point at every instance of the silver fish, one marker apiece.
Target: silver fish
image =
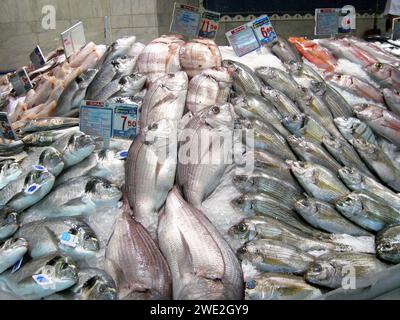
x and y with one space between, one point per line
68 236
308 151
379 163
323 216
392 99
367 211
150 172
245 80
285 51
45 124
119 48
203 266
318 181
352 128
304 71
135 262
76 197
10 170
385 74
388 244
275 256
43 277
9 224
330 270
282 103
11 252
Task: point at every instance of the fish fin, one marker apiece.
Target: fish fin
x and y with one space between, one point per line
52 235
187 266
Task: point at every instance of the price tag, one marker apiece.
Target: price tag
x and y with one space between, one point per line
185 20
396 29
69 240
21 82
347 19
209 25
45 281
326 22
37 58
243 40
126 120
264 30
6 130
96 120
73 39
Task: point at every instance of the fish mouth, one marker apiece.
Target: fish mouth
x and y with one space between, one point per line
13 244
385 247
350 174
298 167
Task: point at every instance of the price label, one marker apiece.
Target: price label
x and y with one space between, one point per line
264 30
396 29
347 19
73 39
326 22
96 119
21 82
185 20
6 130
37 58
243 40
126 120
209 24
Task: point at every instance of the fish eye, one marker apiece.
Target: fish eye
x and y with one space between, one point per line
242 227
379 65
215 110
396 92
64 266
153 126
123 81
251 284
102 288
86 237
240 200
317 268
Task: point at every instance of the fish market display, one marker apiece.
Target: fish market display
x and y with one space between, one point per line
274 175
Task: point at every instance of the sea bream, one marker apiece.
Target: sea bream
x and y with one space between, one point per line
9 224
11 252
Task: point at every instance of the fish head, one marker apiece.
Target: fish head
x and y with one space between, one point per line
346 123
366 148
15 246
379 70
132 83
230 65
267 72
318 87
296 142
320 272
293 123
10 169
389 247
87 239
243 203
9 224
97 288
350 205
244 183
244 231
124 65
306 206
295 68
220 116
101 191
304 94
38 179
367 112
52 160
352 177
177 81
79 147
332 143
392 95
299 168
62 269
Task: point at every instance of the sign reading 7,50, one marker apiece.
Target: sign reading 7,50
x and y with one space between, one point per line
127 123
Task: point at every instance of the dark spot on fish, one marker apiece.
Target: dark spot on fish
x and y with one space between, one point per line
71 140
53 261
91 282
92 184
102 154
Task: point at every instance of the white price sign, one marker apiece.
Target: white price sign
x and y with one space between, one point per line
37 58
264 30
21 82
126 119
243 40
186 20
73 39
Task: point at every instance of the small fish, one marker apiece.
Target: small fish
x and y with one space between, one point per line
353 128
285 51
245 80
282 103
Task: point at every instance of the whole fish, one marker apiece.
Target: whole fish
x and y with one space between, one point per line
279 80
323 216
204 139
11 252
385 74
135 262
259 136
260 227
150 172
392 99
353 128
318 181
257 204
367 211
388 244
257 182
275 256
121 47
356 86
45 138
68 236
10 170
72 96
308 151
356 180
338 106
9 224
46 124
276 286
382 121
332 270
43 277
108 164
285 51
305 126
379 163
79 196
26 192
304 71
165 99
47 157
125 86
313 105
255 107
344 154
282 103
93 284
118 68
203 266
245 80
